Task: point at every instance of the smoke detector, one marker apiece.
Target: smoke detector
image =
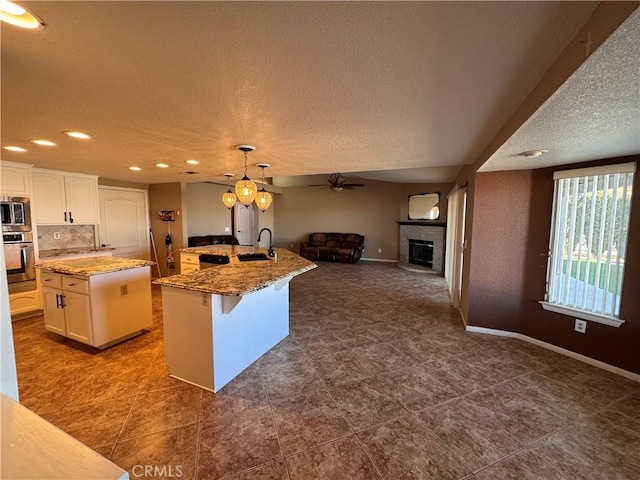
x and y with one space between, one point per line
533 153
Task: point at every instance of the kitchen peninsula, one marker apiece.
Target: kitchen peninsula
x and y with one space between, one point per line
96 300
221 319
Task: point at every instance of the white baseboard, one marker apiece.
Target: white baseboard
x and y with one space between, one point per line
555 348
378 260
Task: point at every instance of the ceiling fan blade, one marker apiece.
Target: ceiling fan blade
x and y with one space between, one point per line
351 185
316 185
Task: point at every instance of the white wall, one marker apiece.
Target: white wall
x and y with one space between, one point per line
8 375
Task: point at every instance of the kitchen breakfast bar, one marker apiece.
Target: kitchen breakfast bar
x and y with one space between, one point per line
221 319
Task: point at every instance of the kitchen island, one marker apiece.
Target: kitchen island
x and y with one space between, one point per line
219 320
98 301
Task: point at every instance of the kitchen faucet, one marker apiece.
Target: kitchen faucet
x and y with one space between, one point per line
270 252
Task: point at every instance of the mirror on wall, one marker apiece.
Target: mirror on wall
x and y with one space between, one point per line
424 206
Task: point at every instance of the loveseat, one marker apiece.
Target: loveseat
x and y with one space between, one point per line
213 240
333 247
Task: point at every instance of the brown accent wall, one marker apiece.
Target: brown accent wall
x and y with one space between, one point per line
511 224
167 196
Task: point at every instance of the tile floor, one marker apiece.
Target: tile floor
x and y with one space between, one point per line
377 380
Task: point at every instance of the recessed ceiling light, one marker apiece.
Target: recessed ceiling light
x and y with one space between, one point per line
135 169
193 162
533 153
81 135
45 143
13 148
18 16
162 165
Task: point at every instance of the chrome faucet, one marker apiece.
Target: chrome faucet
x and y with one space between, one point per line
270 252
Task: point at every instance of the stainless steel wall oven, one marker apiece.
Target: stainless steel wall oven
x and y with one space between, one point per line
17 239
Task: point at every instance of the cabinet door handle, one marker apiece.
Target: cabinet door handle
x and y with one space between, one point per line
70 218
58 300
65 216
62 304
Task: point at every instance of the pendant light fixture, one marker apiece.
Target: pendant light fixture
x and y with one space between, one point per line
246 188
263 198
229 198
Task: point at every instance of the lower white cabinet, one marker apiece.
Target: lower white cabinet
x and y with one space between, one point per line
98 310
189 263
66 311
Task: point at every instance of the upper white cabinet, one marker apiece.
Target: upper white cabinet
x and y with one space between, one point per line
61 198
15 179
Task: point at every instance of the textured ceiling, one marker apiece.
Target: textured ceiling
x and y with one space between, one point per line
594 114
317 87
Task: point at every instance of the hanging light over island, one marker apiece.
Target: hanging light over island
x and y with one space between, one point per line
246 190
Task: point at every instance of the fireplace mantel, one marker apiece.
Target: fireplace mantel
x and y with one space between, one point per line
423 224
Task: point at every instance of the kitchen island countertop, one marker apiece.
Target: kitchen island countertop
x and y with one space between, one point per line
85 267
238 278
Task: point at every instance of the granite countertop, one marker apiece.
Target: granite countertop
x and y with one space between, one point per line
59 252
85 267
238 278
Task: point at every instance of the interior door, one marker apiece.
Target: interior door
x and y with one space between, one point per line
124 221
454 261
245 232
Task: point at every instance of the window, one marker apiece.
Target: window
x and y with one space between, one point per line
588 243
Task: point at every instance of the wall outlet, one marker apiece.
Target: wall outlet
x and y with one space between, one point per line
56 235
227 229
124 289
291 245
581 326
379 250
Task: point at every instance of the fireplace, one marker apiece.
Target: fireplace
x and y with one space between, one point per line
421 252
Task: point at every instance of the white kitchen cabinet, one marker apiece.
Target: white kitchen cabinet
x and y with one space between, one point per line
66 311
98 310
15 179
189 263
62 198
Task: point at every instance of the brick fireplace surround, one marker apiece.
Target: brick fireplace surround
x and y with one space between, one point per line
422 231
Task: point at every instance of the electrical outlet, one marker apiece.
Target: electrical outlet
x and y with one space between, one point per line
581 326
124 289
291 245
379 250
56 235
227 229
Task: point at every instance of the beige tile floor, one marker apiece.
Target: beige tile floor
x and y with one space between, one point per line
378 379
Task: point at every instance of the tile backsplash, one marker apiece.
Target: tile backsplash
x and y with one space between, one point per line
71 236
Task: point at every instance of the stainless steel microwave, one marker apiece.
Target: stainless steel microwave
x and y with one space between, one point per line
16 215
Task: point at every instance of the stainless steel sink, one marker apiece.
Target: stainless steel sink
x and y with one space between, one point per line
252 257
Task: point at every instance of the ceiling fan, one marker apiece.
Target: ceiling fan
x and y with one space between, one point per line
337 183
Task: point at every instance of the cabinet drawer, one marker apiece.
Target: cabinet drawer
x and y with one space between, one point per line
73 284
190 258
51 280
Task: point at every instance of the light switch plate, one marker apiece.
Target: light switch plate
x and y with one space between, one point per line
227 229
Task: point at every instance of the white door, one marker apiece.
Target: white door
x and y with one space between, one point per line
454 261
244 224
124 221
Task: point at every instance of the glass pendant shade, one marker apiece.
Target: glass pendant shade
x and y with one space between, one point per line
246 190
263 199
229 198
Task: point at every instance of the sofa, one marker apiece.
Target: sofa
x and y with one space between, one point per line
213 240
333 247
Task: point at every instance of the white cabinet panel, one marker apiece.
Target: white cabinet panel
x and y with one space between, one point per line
64 199
82 199
15 179
53 314
78 316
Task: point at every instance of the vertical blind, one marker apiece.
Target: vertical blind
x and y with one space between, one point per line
589 238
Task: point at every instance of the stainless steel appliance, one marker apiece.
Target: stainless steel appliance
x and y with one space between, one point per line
19 258
16 214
